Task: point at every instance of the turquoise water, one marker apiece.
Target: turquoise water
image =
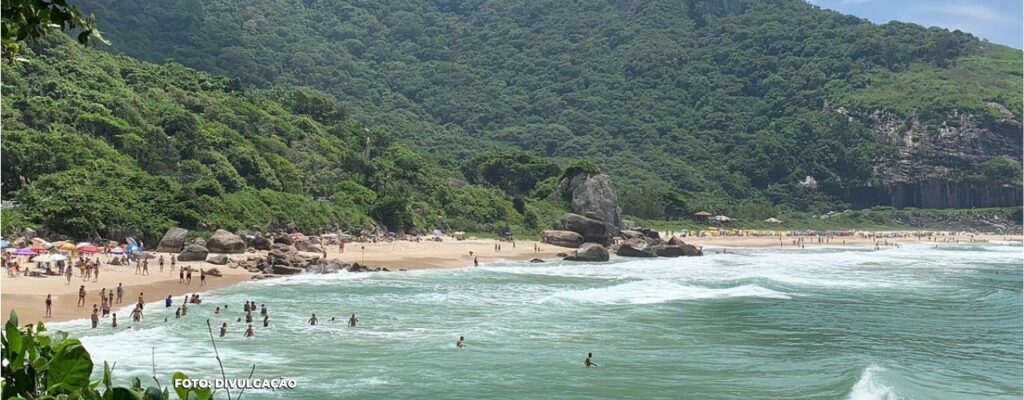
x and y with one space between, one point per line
915 322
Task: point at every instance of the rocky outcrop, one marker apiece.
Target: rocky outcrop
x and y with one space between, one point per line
675 247
193 252
591 252
173 241
561 238
286 239
593 194
591 229
636 247
307 244
630 234
223 241
931 164
281 269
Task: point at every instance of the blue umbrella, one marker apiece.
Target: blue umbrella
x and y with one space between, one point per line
4 244
134 248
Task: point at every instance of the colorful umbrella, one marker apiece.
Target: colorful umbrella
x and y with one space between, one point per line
88 249
38 248
64 246
25 252
50 257
81 244
134 248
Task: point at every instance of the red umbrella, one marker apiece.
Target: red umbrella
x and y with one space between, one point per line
37 248
89 249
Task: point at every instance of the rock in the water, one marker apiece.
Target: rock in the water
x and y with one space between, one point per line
308 246
589 252
260 243
173 241
536 261
593 193
636 247
591 229
562 238
285 270
193 252
218 259
223 241
675 247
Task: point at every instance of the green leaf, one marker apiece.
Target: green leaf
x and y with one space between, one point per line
182 392
69 368
121 393
153 393
136 383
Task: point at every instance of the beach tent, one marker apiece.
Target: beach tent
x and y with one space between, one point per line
88 248
25 252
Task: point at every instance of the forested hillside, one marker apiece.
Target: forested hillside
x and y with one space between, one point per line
100 144
717 101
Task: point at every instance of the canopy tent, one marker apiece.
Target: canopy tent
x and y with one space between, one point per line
702 214
88 248
50 257
25 252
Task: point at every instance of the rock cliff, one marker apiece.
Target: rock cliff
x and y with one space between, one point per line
592 195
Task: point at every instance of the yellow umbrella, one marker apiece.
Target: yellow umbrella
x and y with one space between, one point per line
64 246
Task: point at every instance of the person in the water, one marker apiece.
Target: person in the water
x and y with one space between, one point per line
249 332
313 320
589 362
352 321
461 343
224 329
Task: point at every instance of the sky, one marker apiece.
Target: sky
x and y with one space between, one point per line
999 21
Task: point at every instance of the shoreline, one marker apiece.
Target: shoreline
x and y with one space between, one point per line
27 294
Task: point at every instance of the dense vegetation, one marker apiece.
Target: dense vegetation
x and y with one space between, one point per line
712 100
102 144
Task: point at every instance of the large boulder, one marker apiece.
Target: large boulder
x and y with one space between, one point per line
306 244
636 247
592 252
562 238
282 238
260 243
218 259
630 234
593 194
173 241
591 229
675 247
193 252
223 241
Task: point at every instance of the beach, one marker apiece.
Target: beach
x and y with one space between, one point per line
27 294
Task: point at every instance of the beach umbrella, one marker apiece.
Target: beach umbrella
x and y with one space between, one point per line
25 252
4 244
63 246
117 250
40 242
88 248
82 244
50 257
38 248
133 248
702 214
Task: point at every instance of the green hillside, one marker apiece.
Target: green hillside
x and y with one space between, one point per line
97 143
719 101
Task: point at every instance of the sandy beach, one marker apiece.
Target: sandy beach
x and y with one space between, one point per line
27 294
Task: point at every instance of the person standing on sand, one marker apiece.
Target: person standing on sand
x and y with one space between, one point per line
249 332
145 267
103 294
352 321
120 292
223 329
138 267
202 277
188 276
161 262
96 272
313 320
49 306
67 273
81 296
181 275
174 260
589 362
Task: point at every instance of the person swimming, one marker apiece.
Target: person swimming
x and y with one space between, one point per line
461 343
224 329
313 320
352 321
266 321
249 332
589 362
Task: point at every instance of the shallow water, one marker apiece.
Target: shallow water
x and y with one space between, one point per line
914 323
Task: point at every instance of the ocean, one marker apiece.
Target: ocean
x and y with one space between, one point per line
915 322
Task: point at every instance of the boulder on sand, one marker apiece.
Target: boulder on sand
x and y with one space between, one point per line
636 247
561 238
282 238
173 241
223 241
308 246
260 243
630 234
591 229
193 252
218 259
589 252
